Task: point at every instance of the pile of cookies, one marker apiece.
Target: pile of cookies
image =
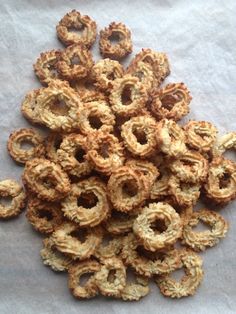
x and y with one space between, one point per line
114 183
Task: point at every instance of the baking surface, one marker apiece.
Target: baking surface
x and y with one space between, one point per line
199 38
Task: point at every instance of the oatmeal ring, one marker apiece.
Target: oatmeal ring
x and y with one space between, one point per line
76 207
110 249
220 186
160 187
183 193
199 241
123 46
105 152
46 179
111 284
144 72
68 66
192 264
71 155
147 168
128 96
44 216
11 188
190 167
224 143
53 258
96 116
75 20
158 62
171 102
52 144
148 263
78 269
200 135
87 90
58 106
150 239
29 106
75 242
105 71
25 136
127 189
135 290
139 135
45 66
170 138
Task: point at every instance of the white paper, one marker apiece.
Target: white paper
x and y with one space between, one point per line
199 38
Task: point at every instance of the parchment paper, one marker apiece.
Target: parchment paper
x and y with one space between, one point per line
199 38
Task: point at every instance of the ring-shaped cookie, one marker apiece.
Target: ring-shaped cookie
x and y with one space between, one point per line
119 49
171 102
86 214
192 265
105 152
71 155
45 66
58 106
75 62
199 241
44 216
11 189
78 269
128 96
127 189
67 240
25 136
151 239
200 135
74 20
139 135
46 179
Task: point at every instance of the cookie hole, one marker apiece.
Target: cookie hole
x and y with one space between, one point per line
224 181
52 69
95 122
48 184
169 101
106 240
26 145
111 76
79 155
78 30
111 276
5 201
141 136
85 278
58 142
140 75
79 235
148 59
178 274
130 189
201 227
104 150
115 38
130 275
59 107
159 226
75 60
87 200
126 95
43 213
